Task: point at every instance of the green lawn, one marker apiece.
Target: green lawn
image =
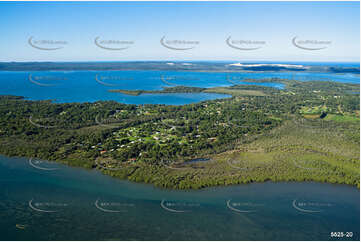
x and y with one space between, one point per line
342 118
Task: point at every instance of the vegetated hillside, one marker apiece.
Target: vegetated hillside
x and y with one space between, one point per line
307 131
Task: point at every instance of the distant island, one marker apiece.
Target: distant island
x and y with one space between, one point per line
208 66
235 90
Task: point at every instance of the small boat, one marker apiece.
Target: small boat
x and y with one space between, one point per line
20 226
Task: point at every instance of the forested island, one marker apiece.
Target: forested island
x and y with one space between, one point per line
176 89
308 131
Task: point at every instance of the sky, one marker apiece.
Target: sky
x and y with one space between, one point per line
256 31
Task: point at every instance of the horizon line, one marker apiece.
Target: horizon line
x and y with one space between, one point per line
122 61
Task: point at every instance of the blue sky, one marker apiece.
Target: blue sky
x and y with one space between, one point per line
274 24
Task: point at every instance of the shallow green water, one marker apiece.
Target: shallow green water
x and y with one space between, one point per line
75 204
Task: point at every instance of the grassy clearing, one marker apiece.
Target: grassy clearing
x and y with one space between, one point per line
342 118
313 110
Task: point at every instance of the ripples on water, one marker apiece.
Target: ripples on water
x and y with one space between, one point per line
91 86
87 205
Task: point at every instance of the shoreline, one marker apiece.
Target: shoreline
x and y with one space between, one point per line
274 142
69 166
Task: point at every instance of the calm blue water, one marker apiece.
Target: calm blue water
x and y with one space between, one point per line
76 204
91 86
